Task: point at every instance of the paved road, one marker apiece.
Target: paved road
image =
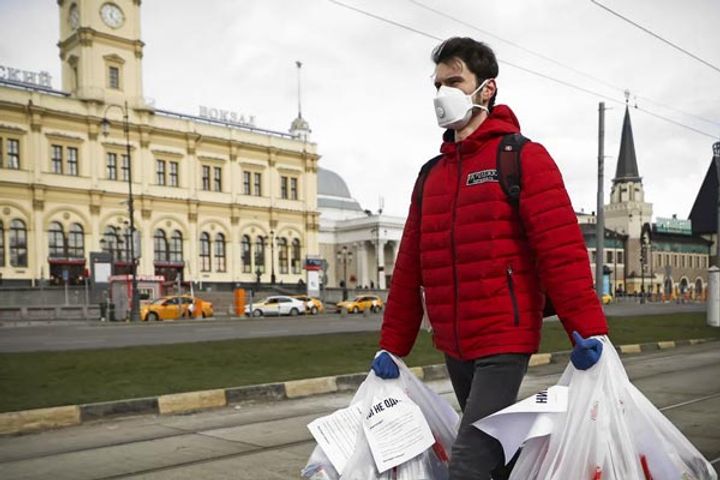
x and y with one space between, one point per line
270 441
86 335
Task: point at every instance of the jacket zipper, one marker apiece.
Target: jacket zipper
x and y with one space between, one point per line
513 298
454 259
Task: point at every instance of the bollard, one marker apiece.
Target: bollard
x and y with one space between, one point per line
713 297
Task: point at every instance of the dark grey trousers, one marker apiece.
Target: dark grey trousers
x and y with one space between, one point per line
482 387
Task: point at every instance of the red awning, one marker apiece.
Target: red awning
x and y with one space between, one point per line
66 261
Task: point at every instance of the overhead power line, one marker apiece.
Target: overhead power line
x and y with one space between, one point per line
524 69
650 32
552 60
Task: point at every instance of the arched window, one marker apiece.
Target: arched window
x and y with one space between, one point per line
204 252
2 244
283 254
260 254
161 246
112 243
76 241
220 263
56 240
246 255
296 262
18 244
176 247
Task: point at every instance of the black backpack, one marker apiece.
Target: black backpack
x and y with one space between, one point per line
509 173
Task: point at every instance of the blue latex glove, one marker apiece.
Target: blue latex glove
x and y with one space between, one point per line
384 366
586 353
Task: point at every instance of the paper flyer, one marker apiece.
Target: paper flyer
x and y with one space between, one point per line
529 418
396 430
336 434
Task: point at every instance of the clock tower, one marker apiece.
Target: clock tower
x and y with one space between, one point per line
101 50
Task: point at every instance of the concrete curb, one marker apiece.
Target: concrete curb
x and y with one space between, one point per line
187 402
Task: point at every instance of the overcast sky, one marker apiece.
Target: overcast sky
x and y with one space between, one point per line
367 87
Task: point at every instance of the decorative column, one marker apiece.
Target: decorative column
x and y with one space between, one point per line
381 264
362 264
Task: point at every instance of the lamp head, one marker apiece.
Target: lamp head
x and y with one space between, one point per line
105 127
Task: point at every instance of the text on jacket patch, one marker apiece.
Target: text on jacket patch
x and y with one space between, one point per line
482 176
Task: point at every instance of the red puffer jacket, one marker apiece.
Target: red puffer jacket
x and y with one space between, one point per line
482 260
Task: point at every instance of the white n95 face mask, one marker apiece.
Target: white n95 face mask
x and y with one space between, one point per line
453 107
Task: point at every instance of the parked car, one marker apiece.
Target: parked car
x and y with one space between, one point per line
313 305
173 307
361 303
276 305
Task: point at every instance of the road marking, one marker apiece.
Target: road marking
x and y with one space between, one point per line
690 402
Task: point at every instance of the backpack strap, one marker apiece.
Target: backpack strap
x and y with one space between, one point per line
508 165
422 176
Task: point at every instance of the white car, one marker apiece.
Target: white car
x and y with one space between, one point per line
276 305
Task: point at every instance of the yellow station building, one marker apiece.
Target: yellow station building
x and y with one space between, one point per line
216 199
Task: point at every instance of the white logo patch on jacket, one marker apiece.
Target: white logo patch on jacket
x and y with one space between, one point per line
482 176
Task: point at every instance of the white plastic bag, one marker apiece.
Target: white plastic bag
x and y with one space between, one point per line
610 432
432 464
319 467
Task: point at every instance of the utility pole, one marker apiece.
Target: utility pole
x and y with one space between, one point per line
600 219
716 159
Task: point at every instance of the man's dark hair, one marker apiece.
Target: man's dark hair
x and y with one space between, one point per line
479 58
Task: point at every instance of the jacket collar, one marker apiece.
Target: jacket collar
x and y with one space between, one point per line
501 121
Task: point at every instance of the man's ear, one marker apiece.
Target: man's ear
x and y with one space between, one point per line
489 91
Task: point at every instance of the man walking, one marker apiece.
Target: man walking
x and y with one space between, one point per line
486 261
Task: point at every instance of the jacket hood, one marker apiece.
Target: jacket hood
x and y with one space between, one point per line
501 121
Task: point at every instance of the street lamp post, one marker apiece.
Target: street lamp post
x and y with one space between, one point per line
272 257
345 257
716 158
135 303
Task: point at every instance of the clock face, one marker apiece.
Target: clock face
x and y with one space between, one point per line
112 15
74 16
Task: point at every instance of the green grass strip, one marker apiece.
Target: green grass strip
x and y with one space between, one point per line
42 379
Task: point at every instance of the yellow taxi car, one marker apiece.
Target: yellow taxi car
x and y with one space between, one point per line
174 307
313 305
361 303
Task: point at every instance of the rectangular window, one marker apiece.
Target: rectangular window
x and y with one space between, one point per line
246 183
13 153
293 189
283 187
72 161
114 77
675 260
620 257
217 179
206 178
125 168
258 185
160 172
174 174
56 159
1 151
609 256
112 166
682 261
593 256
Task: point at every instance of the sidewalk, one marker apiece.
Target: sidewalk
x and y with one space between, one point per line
180 403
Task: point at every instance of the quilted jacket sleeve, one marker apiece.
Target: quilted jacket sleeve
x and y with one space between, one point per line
556 239
404 311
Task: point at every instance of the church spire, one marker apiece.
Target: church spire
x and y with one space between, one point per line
627 169
300 128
